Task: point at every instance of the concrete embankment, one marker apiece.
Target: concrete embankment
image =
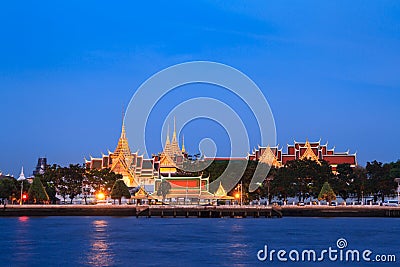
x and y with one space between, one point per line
199 211
142 211
340 211
68 210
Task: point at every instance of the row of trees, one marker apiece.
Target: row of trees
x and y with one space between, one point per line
298 178
69 182
305 178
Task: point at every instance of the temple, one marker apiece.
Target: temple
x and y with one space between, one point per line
172 157
182 186
147 174
135 169
303 150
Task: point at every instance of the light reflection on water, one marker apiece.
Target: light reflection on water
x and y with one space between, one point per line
238 246
100 253
23 219
127 241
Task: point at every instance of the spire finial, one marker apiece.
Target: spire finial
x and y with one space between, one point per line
123 133
123 115
167 141
174 134
183 144
22 175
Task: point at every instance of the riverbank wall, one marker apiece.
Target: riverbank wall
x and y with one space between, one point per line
168 211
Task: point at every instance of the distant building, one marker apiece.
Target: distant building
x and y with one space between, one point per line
40 167
8 176
303 150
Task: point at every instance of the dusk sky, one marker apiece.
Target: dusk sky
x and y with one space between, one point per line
329 70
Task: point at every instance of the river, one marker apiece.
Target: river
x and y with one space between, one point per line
131 241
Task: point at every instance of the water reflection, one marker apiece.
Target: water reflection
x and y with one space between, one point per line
100 253
238 245
23 219
23 243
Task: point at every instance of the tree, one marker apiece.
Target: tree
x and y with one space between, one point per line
343 182
164 189
308 176
101 180
7 188
48 179
37 192
326 193
69 181
382 183
361 185
120 190
282 184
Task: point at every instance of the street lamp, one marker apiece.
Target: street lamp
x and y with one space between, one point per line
239 192
21 179
397 180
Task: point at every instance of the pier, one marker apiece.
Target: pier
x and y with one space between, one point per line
210 212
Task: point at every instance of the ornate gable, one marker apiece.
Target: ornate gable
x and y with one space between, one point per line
309 153
166 161
269 158
220 191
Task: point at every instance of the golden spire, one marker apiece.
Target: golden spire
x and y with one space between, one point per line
123 146
167 141
174 134
175 150
183 144
123 133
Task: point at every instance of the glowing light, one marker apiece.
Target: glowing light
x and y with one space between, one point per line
237 195
100 196
23 218
24 196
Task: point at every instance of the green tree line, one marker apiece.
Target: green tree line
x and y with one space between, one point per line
68 181
305 178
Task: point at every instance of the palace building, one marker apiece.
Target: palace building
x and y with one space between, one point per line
148 174
182 186
186 187
303 150
172 157
135 169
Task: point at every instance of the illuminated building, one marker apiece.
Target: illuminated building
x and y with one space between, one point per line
303 150
134 168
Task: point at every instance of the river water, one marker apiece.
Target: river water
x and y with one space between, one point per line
130 241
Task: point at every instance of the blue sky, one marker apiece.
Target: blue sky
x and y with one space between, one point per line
329 69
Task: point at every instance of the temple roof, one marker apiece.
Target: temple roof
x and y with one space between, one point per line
123 146
220 191
166 161
269 158
309 153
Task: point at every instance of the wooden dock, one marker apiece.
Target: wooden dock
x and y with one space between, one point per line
210 212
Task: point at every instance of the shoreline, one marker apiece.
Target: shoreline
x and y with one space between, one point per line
341 211
199 211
